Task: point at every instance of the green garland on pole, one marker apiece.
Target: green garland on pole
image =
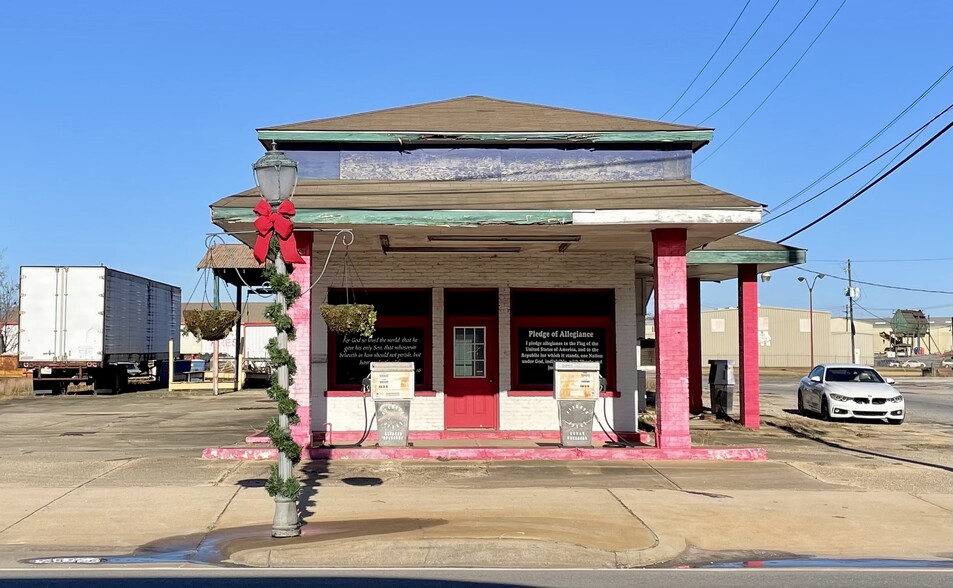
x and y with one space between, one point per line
288 406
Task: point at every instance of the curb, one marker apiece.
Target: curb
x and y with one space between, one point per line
453 552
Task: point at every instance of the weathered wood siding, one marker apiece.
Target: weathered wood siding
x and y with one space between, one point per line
512 165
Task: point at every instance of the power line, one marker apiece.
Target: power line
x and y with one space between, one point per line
883 260
718 48
870 140
766 61
852 174
870 185
888 286
918 306
705 93
871 314
773 90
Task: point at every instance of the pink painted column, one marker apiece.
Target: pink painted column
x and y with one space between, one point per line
749 378
694 345
671 339
300 348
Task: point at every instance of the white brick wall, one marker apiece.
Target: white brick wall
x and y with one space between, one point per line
347 414
538 413
557 270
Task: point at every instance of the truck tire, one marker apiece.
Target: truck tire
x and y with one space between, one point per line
107 381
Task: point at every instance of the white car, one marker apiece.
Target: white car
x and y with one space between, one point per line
844 390
947 363
913 363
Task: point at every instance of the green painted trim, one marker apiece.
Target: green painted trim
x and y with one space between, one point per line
404 137
422 218
701 257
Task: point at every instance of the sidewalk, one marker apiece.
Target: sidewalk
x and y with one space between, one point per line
500 514
121 478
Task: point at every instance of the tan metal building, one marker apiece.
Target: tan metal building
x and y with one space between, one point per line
784 337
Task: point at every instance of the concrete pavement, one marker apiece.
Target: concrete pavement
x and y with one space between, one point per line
120 477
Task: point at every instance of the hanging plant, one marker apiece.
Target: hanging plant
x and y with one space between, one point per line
209 324
354 319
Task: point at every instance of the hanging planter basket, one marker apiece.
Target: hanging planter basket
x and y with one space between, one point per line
209 324
352 319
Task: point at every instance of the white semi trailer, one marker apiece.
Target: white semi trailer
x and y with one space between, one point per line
86 325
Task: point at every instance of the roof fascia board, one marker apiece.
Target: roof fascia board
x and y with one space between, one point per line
705 257
436 218
668 216
424 137
424 218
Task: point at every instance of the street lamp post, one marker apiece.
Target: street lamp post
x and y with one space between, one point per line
810 302
277 176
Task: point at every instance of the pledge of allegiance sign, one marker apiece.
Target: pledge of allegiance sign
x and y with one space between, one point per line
540 348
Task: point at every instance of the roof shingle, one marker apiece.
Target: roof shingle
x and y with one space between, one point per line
479 114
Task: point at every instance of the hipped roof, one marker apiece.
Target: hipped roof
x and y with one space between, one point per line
479 114
466 195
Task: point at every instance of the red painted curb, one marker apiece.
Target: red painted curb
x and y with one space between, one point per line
373 452
240 453
553 453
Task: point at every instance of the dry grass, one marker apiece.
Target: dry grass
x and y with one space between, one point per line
16 387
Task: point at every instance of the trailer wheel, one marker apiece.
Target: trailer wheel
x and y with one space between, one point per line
107 381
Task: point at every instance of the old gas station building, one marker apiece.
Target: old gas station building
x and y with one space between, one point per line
495 238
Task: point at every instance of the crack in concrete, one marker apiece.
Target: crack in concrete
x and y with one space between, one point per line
930 503
667 479
67 493
214 524
655 537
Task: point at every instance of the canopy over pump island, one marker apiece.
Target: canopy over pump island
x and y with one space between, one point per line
499 242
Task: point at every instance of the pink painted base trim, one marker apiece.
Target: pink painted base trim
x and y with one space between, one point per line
488 434
555 453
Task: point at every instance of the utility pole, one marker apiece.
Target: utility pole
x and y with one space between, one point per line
850 315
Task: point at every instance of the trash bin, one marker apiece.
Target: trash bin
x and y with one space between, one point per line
721 384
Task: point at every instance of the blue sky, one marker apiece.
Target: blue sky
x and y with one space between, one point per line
124 120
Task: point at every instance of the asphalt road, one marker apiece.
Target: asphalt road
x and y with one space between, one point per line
927 400
478 578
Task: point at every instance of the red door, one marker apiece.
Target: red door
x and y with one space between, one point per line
470 373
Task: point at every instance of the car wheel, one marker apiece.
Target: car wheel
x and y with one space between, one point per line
825 410
800 403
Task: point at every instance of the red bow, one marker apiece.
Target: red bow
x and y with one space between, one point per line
279 222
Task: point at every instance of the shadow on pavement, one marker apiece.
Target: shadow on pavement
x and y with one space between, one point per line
802 435
256 581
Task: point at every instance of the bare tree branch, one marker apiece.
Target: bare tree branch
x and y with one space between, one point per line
9 300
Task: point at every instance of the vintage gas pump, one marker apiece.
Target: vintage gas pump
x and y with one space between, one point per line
576 389
392 388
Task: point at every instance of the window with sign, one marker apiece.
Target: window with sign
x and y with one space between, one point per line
403 333
560 325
